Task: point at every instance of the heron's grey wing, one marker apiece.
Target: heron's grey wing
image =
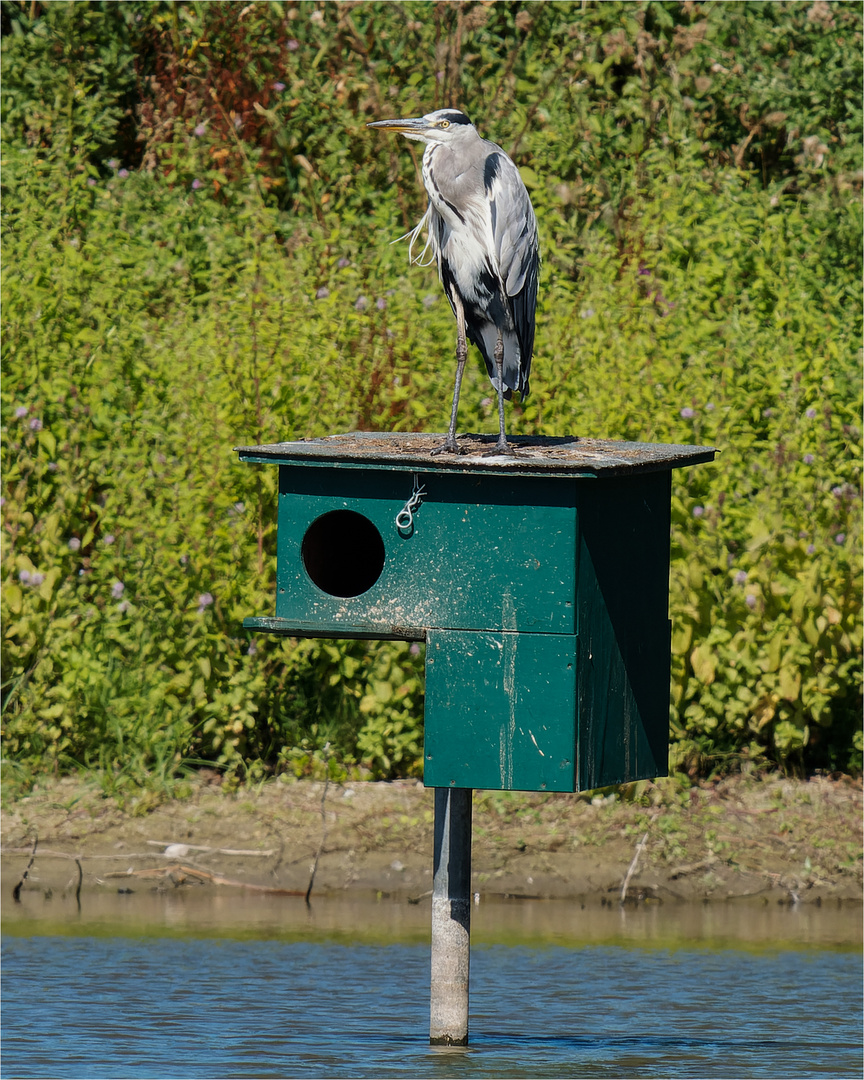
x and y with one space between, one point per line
517 249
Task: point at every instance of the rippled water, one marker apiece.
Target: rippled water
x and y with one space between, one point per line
321 996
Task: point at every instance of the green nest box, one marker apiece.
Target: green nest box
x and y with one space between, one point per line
538 581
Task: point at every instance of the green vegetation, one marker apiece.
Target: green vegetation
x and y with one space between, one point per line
196 226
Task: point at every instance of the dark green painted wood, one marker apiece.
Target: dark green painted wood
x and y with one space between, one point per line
485 552
540 585
500 711
623 631
300 628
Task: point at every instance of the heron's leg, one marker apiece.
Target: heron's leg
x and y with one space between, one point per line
450 445
501 446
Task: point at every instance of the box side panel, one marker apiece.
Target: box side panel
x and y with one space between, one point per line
500 711
623 631
482 552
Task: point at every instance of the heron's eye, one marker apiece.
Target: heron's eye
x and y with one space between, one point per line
443 123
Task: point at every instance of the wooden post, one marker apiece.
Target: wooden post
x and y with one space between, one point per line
451 918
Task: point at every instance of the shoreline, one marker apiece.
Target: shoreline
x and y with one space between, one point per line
766 839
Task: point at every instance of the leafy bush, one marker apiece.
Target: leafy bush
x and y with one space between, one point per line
196 225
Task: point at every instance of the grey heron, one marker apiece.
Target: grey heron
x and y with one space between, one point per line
483 235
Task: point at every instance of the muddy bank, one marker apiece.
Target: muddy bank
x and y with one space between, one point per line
764 838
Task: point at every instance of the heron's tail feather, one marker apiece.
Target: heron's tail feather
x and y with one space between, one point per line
516 371
412 237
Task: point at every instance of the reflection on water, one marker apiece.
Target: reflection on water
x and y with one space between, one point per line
166 986
203 912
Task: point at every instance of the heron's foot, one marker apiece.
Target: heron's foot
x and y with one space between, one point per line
502 449
449 446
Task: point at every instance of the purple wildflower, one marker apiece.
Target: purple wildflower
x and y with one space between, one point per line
200 129
108 540
808 459
698 511
279 86
196 183
710 407
24 577
810 414
35 424
586 313
414 649
123 606
91 182
687 413
361 303
840 538
117 589
204 601
740 577
36 579
322 293
123 174
292 44
381 303
21 412
811 549
252 650
750 602
112 163
74 544
343 263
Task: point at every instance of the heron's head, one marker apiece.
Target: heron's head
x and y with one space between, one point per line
447 126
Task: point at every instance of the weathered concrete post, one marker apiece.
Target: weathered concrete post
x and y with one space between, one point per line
451 918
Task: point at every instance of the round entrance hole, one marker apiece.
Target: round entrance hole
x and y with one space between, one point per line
343 553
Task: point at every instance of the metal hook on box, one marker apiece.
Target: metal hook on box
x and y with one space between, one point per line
405 517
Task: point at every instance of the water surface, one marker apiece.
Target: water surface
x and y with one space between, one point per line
189 985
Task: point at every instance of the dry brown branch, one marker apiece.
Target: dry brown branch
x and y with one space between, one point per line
691 868
215 851
640 847
16 892
323 824
179 874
